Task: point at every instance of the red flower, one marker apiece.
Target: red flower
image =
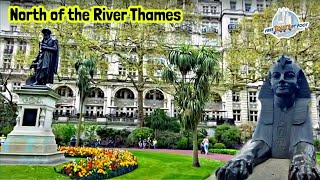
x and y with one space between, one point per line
89 166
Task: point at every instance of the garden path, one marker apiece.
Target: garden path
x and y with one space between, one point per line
221 157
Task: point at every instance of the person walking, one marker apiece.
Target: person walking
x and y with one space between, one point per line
154 142
206 145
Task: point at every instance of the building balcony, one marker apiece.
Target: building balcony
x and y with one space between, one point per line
253 105
66 100
123 102
13 71
236 105
13 34
210 14
209 30
8 51
213 106
94 101
154 103
110 118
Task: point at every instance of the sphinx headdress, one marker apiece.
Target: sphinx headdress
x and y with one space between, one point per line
303 91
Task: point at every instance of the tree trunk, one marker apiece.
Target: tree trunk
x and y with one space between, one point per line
140 108
140 93
195 149
79 124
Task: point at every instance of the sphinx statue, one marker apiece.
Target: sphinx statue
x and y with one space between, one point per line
284 129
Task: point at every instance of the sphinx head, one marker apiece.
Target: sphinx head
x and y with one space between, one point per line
285 77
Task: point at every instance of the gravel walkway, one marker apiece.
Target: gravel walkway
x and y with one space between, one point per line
221 157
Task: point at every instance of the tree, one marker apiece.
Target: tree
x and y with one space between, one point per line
138 46
8 107
251 51
159 121
141 46
190 71
85 68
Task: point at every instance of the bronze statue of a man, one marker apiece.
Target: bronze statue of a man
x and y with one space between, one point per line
46 62
284 129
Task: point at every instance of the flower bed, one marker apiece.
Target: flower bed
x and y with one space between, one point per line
100 163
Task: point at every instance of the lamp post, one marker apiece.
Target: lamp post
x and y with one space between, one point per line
245 71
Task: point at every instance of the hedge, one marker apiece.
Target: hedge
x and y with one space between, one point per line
224 151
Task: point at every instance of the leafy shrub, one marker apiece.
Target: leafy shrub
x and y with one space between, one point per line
119 137
90 132
224 151
212 141
168 140
219 146
183 143
316 143
106 133
7 116
63 133
228 135
135 135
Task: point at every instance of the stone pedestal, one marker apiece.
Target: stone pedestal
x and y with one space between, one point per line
272 169
32 141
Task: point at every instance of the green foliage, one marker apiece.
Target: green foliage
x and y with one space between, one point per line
212 141
191 93
120 137
228 135
183 143
7 116
106 133
224 151
85 68
158 120
219 146
202 133
135 135
249 46
316 143
91 133
63 133
168 139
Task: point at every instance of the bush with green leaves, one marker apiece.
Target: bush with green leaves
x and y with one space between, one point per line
106 133
119 137
135 135
183 143
212 141
7 116
168 139
63 133
90 132
219 146
228 134
159 121
316 143
224 151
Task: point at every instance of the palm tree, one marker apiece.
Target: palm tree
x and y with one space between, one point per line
85 68
191 72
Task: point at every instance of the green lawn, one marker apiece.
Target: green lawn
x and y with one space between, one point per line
152 165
